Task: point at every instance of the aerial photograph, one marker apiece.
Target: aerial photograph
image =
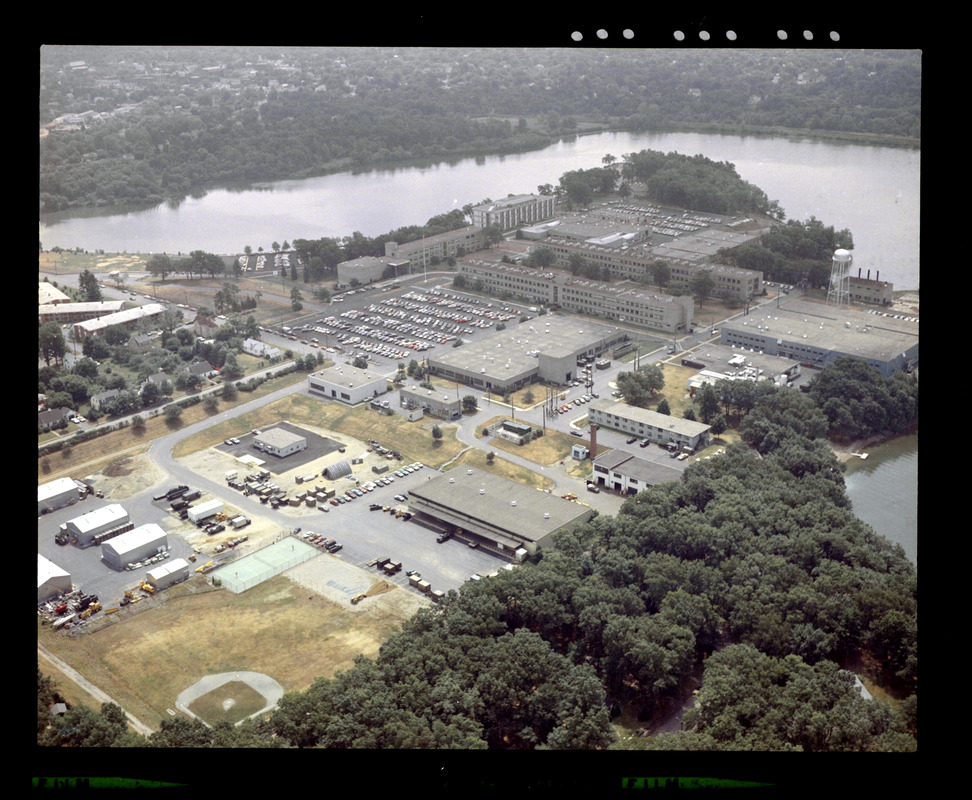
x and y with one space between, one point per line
452 400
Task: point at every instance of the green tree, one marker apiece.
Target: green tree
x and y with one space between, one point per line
295 299
469 403
51 344
159 265
88 285
702 285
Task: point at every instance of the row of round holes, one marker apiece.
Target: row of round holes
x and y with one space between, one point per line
703 35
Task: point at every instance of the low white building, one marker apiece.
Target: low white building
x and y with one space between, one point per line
128 319
169 573
280 442
627 473
57 494
87 529
255 347
347 384
136 545
52 580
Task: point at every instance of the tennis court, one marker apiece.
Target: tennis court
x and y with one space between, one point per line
264 564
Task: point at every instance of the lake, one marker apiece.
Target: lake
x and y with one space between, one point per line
872 191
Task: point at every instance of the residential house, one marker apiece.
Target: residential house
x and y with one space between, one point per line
46 419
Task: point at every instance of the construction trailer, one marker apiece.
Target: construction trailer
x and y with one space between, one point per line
204 511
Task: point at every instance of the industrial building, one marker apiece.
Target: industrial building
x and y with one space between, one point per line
96 526
368 269
435 404
545 348
52 580
627 473
57 494
817 334
136 545
169 573
716 362
279 442
624 301
347 384
644 423
500 514
625 239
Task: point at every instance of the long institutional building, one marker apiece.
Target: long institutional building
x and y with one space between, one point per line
624 301
816 334
542 349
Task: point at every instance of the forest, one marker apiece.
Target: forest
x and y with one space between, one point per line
749 580
161 123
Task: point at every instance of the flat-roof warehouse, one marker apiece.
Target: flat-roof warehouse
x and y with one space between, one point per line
545 348
508 516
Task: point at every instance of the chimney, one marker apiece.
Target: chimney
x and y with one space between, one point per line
869 274
593 441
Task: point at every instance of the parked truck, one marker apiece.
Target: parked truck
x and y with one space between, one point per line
204 511
239 522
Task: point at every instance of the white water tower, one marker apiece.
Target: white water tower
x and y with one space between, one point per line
838 292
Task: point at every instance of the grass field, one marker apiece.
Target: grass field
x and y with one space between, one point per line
231 702
413 439
278 628
476 459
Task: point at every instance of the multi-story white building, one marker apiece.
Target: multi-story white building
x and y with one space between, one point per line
432 249
647 424
514 211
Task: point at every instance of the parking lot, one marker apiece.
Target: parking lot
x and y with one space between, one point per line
391 326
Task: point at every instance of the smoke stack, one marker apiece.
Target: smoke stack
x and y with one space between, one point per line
877 277
869 274
593 441
858 272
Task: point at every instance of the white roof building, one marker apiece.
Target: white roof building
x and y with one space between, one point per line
56 494
136 545
52 580
87 526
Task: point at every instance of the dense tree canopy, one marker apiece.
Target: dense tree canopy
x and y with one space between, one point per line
306 111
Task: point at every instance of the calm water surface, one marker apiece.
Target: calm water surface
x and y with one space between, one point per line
872 191
884 490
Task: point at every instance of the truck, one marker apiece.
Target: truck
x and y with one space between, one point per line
204 511
239 521
173 493
231 475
